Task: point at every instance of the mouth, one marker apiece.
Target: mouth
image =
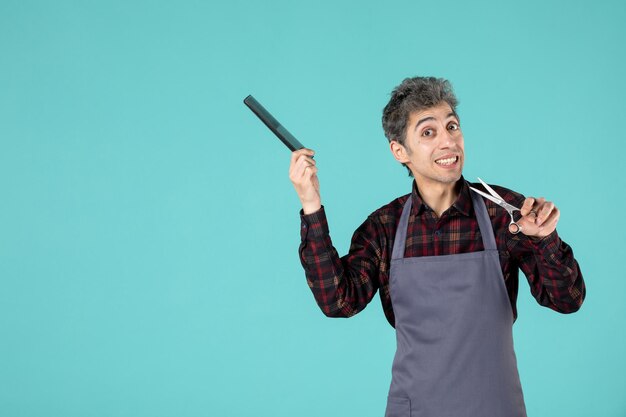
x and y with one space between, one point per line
448 161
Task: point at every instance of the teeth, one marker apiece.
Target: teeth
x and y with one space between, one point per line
447 161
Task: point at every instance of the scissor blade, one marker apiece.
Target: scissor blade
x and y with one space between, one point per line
508 207
496 200
491 190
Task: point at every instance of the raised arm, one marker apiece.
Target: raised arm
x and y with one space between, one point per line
342 286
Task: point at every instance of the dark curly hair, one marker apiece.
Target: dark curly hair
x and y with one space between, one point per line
414 94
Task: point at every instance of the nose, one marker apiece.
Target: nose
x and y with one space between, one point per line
447 139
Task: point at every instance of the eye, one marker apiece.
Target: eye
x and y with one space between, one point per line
453 126
427 132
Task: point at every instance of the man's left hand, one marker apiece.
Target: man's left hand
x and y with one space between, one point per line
539 217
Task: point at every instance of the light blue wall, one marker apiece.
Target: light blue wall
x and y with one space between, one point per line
149 232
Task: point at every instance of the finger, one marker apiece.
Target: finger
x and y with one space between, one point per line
528 203
308 182
515 228
298 173
297 156
304 151
305 160
552 220
527 226
297 169
539 202
527 206
309 172
544 212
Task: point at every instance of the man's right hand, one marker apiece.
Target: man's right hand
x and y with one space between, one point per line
303 175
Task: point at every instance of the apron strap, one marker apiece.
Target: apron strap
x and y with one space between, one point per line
399 241
486 229
480 210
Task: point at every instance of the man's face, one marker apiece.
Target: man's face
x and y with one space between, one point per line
434 145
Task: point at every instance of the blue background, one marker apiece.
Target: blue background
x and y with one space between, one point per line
149 231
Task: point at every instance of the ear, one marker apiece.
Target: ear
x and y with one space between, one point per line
399 152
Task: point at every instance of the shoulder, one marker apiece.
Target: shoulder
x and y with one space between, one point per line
385 219
391 210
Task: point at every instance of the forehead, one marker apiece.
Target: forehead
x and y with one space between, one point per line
440 111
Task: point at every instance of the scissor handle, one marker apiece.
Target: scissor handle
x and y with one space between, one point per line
514 228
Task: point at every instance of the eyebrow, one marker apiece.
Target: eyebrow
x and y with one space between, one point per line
425 119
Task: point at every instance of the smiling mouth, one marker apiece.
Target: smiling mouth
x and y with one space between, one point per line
447 161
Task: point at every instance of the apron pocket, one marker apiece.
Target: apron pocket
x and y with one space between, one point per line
398 407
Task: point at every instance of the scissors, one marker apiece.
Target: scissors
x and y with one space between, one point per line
495 197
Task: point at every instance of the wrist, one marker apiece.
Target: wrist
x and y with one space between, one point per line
309 208
550 235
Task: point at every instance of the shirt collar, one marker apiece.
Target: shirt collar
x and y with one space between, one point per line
463 203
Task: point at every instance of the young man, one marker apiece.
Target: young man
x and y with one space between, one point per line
445 263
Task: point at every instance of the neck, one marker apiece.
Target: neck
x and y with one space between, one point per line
438 196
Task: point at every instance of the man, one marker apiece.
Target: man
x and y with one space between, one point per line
445 263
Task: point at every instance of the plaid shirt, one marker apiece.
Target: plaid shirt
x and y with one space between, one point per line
343 286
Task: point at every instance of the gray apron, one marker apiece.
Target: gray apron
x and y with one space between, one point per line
454 329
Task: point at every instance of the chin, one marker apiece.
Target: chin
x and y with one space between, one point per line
451 178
